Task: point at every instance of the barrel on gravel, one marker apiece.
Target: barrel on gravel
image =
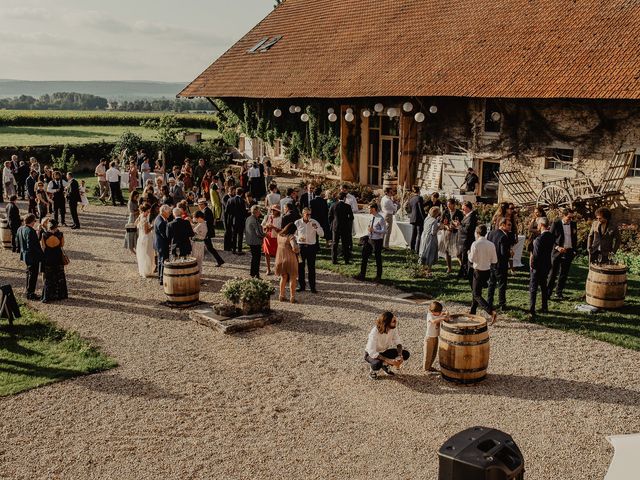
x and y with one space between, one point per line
464 348
606 286
181 281
5 233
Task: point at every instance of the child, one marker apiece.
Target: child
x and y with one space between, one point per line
84 201
434 318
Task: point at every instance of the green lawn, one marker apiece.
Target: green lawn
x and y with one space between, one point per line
37 136
35 352
619 327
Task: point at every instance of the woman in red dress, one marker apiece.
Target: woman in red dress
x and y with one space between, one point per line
188 174
272 224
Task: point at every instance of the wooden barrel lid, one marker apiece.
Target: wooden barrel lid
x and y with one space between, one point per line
181 263
464 323
608 268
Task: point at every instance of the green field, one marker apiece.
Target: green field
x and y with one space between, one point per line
91 117
75 135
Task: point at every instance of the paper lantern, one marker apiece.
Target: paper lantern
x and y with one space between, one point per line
419 117
298 109
433 109
304 117
349 110
392 112
378 107
292 109
333 117
277 112
366 113
407 107
330 111
495 116
349 117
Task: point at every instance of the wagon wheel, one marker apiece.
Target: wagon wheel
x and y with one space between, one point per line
553 197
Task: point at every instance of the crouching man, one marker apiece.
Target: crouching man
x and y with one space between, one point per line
384 347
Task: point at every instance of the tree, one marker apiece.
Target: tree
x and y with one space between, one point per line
64 163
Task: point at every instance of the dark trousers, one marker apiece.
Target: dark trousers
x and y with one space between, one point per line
343 236
560 265
14 240
391 354
116 193
73 208
59 208
256 256
480 278
162 256
236 238
416 234
308 255
32 278
498 279
228 234
465 271
209 244
367 250
538 279
33 206
21 189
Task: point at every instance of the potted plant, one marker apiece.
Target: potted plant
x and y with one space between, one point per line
250 295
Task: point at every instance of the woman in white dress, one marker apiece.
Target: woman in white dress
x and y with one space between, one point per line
200 233
144 247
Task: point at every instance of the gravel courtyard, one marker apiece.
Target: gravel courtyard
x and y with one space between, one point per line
293 400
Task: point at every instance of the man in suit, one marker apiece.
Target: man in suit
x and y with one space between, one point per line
30 253
175 190
179 233
307 197
320 212
482 255
499 271
74 198
254 234
416 218
565 239
466 236
30 184
604 238
161 242
308 231
539 266
21 178
291 214
341 222
211 231
15 222
227 220
237 215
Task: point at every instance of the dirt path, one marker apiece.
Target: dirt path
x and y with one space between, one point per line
292 400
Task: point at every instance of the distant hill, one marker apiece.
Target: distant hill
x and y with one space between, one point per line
112 90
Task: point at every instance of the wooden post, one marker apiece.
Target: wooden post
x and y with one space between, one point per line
408 151
364 150
349 146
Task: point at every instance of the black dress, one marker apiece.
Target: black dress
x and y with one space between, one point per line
55 282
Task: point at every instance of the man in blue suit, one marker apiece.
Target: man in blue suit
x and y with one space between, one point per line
30 253
539 265
161 241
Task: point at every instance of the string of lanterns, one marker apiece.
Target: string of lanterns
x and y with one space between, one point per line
378 108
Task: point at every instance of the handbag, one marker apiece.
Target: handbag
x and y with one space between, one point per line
65 259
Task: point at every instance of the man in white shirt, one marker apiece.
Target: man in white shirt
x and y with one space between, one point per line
482 255
56 188
308 231
389 209
377 229
113 177
350 200
384 347
254 180
100 172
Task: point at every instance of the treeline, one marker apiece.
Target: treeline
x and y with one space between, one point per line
85 101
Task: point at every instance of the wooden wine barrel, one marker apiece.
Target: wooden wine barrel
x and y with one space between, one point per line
606 285
464 348
181 281
5 233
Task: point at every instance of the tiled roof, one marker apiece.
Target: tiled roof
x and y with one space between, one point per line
460 48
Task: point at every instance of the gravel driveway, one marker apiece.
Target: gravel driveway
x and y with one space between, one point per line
292 400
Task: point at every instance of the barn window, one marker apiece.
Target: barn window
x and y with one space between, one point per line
558 158
634 170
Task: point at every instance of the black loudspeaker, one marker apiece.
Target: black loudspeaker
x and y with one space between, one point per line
480 453
9 308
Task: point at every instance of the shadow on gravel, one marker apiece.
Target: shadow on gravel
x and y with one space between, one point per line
526 388
314 327
115 384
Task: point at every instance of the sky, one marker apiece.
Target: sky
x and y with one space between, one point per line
161 40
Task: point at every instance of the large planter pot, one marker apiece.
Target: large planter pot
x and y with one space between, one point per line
254 306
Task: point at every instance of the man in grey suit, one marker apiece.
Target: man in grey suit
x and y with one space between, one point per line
254 235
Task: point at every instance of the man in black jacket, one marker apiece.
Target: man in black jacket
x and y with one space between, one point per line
237 215
211 231
499 271
21 178
466 236
307 197
179 233
320 212
161 243
341 222
565 242
30 184
15 222
416 218
30 253
539 265
290 214
226 219
74 198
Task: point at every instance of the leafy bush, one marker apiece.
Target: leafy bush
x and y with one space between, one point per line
65 163
128 141
252 290
631 260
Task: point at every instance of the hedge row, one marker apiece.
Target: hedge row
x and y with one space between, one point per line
87 155
19 118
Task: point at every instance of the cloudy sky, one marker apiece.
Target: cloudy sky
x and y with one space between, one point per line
164 40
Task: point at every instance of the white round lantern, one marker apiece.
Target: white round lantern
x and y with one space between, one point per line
292 109
304 117
366 113
392 112
407 107
298 109
277 112
330 111
433 109
333 117
349 110
495 116
349 117
419 117
378 107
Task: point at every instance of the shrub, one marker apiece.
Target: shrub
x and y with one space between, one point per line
252 290
65 163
